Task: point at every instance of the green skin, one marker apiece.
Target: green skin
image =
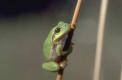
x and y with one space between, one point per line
53 46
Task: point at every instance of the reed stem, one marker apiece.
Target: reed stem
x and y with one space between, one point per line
59 75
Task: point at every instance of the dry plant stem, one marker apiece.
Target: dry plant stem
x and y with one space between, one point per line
100 36
59 75
121 73
70 34
76 13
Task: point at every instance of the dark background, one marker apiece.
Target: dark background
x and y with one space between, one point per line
25 24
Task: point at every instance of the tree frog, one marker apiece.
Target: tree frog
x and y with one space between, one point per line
53 46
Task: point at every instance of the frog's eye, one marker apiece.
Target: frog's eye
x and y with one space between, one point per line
57 30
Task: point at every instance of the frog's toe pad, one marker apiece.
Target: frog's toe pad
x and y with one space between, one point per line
50 66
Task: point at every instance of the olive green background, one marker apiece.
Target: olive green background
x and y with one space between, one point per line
24 29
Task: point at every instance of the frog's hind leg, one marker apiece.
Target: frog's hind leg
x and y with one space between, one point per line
51 66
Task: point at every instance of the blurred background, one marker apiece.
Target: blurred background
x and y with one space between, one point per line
25 24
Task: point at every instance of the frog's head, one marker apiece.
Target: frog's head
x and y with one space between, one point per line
60 30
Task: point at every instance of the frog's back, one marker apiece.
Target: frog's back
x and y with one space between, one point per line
47 47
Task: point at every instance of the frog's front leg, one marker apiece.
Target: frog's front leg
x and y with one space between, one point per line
67 52
51 66
59 50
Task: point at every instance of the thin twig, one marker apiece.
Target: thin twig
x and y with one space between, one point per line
100 36
59 75
121 73
76 13
70 34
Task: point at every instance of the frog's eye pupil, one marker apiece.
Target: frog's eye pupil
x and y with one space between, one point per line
57 30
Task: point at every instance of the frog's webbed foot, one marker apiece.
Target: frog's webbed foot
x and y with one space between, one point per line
51 66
